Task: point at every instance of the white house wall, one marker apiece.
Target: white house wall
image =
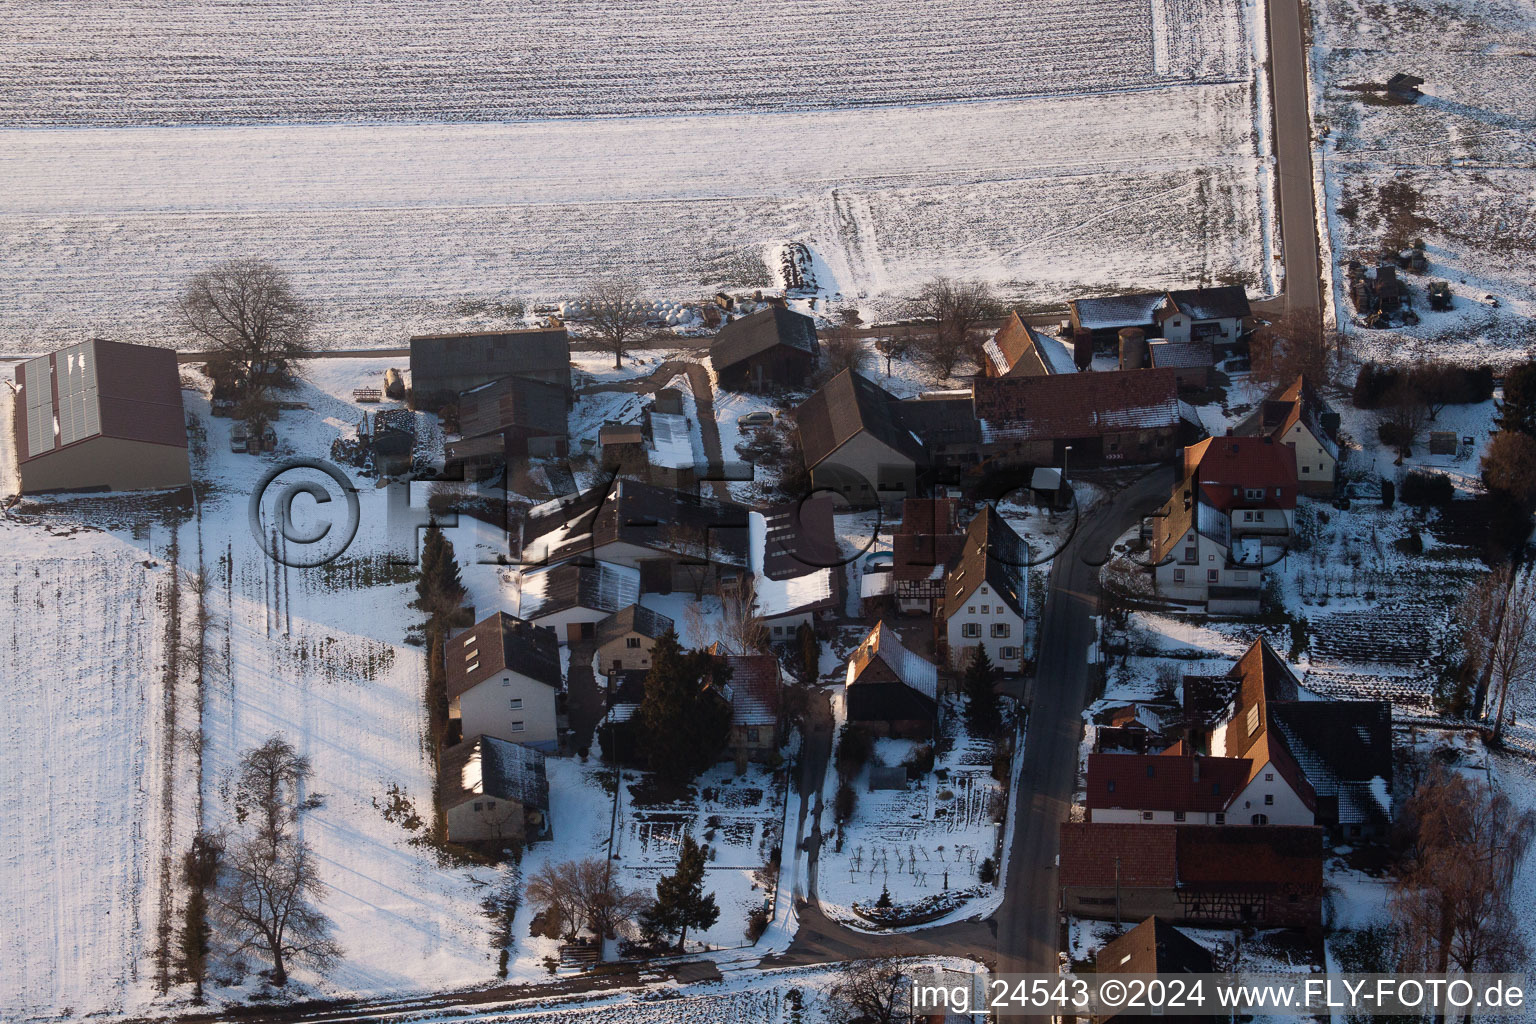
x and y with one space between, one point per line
487 710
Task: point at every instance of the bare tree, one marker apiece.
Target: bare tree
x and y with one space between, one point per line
956 308
582 893
842 349
248 310
871 992
1509 465
1503 607
741 624
614 306
1452 900
269 884
1294 344
1402 418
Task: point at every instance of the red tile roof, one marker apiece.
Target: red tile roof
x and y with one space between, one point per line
1076 404
1225 467
1147 855
1160 782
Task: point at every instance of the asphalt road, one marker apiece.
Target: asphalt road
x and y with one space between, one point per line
1027 925
1293 151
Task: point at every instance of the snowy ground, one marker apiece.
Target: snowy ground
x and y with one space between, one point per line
1466 148
906 841
1076 143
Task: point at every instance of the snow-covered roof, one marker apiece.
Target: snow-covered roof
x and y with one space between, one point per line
876 584
604 587
672 442
1044 478
486 766
776 597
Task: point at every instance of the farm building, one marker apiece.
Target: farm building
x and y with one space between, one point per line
503 676
792 555
1018 350
621 447
984 595
855 443
1208 875
891 691
528 416
101 415
926 542
1298 417
1111 417
443 365
774 347
1166 789
1190 361
1154 947
494 792
1215 316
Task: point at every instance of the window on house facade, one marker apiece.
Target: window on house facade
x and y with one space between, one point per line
985 609
490 805
506 680
970 609
1253 493
632 643
971 630
1007 653
1247 517
1178 815
518 727
1269 776
515 704
1212 575
1189 554
778 630
752 735
1178 575
1269 799
478 806
1146 815
1000 630
1221 819
1261 819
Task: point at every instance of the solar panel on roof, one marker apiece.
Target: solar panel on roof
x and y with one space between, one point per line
39 398
79 411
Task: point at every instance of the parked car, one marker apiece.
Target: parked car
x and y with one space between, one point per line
755 419
239 440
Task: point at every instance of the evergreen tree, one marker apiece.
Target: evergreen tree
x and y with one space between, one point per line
810 653
1518 409
681 902
684 721
439 590
981 710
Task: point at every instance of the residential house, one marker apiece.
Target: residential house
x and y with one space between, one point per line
794 562
1018 350
528 416
101 416
855 443
677 540
572 598
1298 417
494 792
985 597
1154 947
1201 875
1179 788
755 696
444 365
1328 762
1110 417
890 690
926 542
626 639
503 678
1216 316
774 347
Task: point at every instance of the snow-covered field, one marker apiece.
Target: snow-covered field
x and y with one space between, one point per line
1468 148
1070 144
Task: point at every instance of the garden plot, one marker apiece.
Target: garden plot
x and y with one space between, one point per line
1467 150
923 844
400 229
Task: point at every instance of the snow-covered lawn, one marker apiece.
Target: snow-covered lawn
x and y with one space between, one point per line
917 842
1465 148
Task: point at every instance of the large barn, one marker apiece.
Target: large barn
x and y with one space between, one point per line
101 416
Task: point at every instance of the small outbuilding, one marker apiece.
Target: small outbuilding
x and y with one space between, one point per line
494 792
774 347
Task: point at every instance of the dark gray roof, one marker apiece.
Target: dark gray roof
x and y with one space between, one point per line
513 403
995 554
941 421
1344 748
1108 312
491 353
500 642
846 405
633 619
751 335
489 767
1221 303
799 538
659 518
1154 947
